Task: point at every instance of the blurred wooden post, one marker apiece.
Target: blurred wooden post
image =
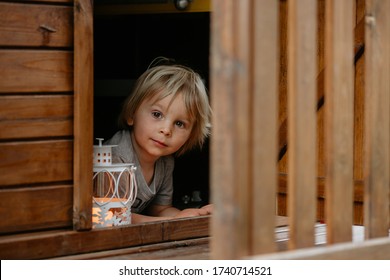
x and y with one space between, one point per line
243 144
302 118
264 130
377 184
231 124
339 102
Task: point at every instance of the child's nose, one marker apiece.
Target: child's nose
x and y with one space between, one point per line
166 130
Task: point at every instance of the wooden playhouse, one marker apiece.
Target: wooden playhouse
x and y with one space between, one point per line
300 139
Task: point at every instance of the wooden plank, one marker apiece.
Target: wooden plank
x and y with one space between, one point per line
33 208
302 105
264 117
191 249
23 129
221 155
241 83
36 71
83 114
35 25
375 249
35 162
231 127
180 229
41 245
67 244
339 96
377 94
26 116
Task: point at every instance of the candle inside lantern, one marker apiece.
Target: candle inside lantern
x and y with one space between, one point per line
114 189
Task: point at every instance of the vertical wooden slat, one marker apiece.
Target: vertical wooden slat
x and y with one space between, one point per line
232 98
265 101
302 67
83 114
242 61
222 170
376 204
339 97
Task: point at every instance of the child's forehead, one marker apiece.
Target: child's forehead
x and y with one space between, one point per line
163 96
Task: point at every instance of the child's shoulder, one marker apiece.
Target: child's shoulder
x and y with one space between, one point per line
119 137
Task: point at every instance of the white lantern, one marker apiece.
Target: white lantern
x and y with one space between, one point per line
114 189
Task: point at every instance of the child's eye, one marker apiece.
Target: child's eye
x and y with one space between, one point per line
180 124
157 114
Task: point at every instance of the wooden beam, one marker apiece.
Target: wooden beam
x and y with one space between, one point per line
339 98
230 152
377 118
302 93
264 131
83 114
51 244
375 249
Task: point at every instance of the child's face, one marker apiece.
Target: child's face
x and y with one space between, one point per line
160 127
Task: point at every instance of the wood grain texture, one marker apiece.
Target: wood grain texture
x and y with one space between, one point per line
35 162
377 72
339 124
26 116
264 116
69 242
376 249
36 71
83 114
302 108
34 208
25 25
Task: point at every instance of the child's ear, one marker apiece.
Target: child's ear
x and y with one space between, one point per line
130 121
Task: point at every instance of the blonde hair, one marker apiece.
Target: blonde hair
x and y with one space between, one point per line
167 80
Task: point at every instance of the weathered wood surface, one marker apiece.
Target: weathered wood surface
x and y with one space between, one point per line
302 107
35 162
50 244
264 121
25 116
191 249
34 208
375 249
339 123
36 71
245 98
36 25
83 114
377 118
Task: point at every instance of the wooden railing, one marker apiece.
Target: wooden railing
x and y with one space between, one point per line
244 152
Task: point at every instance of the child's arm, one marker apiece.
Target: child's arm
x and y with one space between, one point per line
166 212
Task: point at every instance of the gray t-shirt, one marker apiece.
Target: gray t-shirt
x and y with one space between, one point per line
161 189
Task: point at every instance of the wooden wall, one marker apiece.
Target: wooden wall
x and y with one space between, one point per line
36 115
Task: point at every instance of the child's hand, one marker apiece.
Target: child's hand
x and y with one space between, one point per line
208 208
195 212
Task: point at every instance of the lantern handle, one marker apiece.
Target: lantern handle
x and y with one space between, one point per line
100 141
